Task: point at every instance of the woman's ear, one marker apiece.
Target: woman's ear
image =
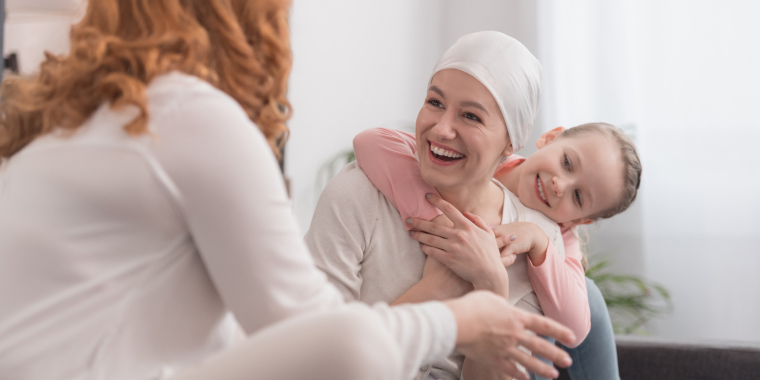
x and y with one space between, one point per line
549 137
508 150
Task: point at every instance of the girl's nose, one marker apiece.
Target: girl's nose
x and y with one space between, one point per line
558 186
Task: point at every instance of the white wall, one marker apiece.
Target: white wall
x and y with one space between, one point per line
685 74
700 134
35 26
357 65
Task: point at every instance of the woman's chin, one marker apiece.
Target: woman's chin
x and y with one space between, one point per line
436 178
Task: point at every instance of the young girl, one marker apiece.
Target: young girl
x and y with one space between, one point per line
545 181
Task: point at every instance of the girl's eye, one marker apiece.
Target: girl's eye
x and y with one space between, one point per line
566 161
578 198
471 116
435 103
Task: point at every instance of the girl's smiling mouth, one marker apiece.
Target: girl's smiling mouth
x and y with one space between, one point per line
443 155
540 191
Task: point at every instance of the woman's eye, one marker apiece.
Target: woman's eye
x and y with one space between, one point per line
578 198
471 116
435 103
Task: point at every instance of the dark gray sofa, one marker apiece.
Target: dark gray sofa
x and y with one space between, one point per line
653 359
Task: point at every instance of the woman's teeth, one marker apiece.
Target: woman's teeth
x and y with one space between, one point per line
541 190
443 152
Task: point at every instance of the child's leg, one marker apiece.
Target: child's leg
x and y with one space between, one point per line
596 357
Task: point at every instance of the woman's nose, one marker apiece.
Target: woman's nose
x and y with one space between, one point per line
445 129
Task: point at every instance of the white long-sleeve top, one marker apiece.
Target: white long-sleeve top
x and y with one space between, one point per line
121 257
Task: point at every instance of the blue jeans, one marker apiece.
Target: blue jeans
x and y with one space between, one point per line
596 357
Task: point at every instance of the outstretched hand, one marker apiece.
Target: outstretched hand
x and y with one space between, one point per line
468 247
490 331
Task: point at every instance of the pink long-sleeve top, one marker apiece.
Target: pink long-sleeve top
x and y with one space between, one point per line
389 160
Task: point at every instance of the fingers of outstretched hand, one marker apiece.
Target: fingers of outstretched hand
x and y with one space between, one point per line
508 366
531 363
547 327
543 348
448 209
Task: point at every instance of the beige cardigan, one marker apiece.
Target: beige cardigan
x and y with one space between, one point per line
358 239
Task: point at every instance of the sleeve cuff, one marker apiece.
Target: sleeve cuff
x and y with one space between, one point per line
548 257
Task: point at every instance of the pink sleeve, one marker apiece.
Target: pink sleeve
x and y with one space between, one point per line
560 285
387 158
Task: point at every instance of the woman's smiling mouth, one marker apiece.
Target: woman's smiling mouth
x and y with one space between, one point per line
540 191
443 155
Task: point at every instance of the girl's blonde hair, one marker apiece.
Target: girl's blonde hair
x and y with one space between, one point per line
240 46
629 157
631 173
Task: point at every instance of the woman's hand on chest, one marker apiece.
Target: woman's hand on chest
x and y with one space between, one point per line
468 248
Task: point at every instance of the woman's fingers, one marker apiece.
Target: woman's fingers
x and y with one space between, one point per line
436 253
447 209
478 221
509 367
543 348
548 327
430 227
531 363
429 239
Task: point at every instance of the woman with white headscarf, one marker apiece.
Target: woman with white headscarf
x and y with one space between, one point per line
480 106
389 159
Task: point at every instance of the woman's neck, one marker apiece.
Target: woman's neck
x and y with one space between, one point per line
485 200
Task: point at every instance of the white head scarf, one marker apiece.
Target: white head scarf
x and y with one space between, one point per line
508 70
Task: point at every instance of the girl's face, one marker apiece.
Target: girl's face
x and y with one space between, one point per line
461 133
571 178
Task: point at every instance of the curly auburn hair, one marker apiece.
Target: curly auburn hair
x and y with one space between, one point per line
240 46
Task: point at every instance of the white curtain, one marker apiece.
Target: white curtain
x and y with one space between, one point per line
681 77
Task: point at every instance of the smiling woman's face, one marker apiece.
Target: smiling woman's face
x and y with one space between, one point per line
461 133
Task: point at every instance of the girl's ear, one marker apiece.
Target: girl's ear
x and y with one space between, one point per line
549 137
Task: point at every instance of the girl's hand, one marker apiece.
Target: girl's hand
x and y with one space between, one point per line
468 248
521 237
